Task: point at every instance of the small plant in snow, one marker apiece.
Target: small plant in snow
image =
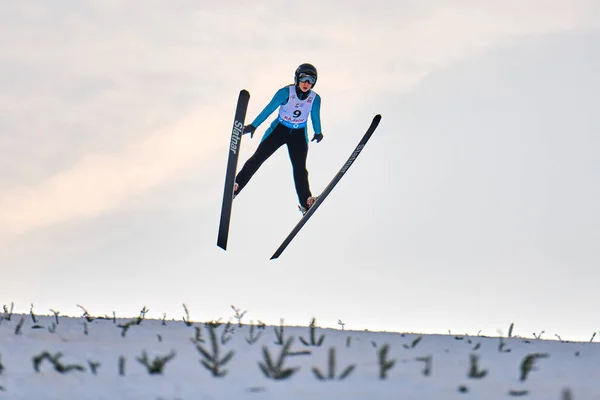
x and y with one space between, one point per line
186 318
474 371
275 370
86 314
142 315
331 375
238 315
55 361
227 333
279 333
212 359
94 365
560 339
55 315
121 366
125 327
1 366
19 326
502 345
566 394
428 364
252 336
313 337
198 336
33 318
384 364
8 312
413 343
510 329
538 336
157 365
528 364
214 323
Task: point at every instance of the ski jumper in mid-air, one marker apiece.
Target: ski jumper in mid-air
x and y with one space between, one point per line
296 103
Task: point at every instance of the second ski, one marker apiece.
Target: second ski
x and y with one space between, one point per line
329 187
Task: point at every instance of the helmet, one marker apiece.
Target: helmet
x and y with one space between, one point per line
305 69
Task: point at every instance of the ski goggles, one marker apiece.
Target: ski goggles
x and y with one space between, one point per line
307 78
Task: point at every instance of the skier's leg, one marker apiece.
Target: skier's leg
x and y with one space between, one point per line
298 151
265 149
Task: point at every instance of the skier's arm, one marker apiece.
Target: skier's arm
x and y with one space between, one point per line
281 97
315 115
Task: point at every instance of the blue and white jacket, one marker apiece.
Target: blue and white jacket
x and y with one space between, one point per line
294 109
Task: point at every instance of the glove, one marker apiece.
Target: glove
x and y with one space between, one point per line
318 137
249 129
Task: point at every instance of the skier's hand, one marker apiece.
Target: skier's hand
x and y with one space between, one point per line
249 129
318 137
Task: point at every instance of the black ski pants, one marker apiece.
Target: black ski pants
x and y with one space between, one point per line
297 145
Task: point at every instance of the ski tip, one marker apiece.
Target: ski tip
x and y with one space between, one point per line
375 122
244 92
273 257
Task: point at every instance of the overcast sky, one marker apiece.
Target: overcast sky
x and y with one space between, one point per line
476 203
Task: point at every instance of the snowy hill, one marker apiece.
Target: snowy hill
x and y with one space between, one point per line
52 357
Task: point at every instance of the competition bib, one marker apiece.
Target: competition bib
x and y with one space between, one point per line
294 114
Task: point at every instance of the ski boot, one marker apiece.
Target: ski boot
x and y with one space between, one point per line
309 203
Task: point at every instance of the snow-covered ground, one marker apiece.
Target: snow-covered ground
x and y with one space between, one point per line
49 357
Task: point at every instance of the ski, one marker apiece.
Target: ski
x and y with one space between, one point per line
329 187
232 160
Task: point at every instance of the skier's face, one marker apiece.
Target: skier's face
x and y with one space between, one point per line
305 86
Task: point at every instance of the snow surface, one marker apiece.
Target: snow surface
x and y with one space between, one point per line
561 370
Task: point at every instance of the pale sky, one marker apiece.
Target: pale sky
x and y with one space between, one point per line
474 205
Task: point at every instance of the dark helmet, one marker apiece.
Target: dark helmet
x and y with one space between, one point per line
303 70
